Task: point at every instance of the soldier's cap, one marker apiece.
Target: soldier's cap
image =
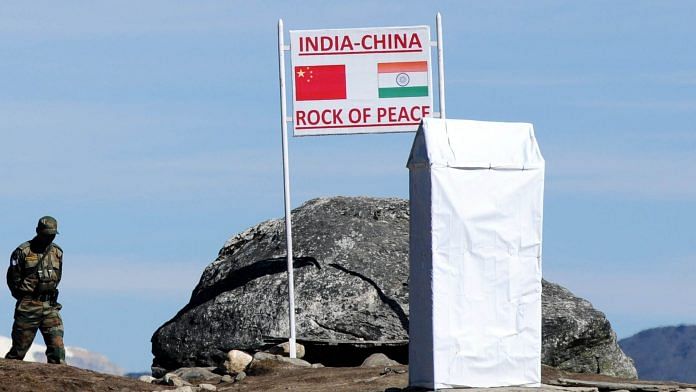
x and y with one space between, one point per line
47 225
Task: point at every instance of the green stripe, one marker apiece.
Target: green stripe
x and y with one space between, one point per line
399 92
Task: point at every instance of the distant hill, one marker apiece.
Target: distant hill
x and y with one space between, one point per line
74 356
666 353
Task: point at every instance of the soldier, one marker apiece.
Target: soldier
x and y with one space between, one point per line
33 277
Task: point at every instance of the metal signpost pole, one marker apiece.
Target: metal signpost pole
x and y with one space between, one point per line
440 65
286 181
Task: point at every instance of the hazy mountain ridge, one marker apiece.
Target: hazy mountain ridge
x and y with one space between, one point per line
664 353
74 356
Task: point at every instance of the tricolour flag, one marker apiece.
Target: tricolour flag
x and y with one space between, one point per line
319 82
403 79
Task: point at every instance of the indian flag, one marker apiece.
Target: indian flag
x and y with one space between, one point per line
403 79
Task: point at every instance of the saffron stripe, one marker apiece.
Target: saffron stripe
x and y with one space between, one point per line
403 66
399 92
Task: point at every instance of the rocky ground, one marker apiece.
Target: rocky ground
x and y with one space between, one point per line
279 376
20 376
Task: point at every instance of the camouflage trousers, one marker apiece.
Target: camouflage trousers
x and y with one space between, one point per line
30 315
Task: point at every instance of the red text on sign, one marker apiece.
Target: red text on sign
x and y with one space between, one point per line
367 42
360 116
316 117
393 114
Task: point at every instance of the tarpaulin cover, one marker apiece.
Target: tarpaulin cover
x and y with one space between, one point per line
476 194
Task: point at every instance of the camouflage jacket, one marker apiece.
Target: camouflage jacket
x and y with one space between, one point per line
29 275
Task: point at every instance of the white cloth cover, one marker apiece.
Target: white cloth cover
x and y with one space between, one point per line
476 200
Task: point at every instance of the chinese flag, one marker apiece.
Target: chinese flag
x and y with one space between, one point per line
317 82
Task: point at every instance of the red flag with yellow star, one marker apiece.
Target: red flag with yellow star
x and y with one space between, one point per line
319 82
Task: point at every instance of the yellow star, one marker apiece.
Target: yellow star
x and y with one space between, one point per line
300 73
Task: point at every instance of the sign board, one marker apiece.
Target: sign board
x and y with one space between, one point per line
367 80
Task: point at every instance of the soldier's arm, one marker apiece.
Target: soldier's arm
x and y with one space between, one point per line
59 254
28 284
13 273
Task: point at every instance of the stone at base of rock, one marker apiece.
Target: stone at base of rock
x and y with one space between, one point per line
185 388
284 350
262 356
237 361
227 378
207 387
240 376
158 372
174 380
542 388
378 360
196 375
317 365
147 379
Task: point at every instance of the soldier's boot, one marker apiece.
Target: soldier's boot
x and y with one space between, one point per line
53 332
55 354
22 338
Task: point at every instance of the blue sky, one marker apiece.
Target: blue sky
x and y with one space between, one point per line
151 131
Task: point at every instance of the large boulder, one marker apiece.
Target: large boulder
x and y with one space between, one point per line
351 285
578 337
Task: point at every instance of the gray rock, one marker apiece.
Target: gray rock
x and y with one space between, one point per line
195 375
542 388
174 380
237 361
263 356
317 365
240 376
186 388
207 387
227 378
284 350
578 338
147 379
351 272
351 282
379 360
294 361
158 371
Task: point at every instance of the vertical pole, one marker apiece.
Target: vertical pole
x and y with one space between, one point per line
286 183
440 65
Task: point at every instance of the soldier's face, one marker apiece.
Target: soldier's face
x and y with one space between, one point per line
46 238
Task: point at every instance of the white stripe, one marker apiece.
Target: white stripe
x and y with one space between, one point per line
414 79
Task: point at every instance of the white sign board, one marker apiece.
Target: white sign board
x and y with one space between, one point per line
368 80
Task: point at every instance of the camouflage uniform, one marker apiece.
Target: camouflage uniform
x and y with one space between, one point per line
33 276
